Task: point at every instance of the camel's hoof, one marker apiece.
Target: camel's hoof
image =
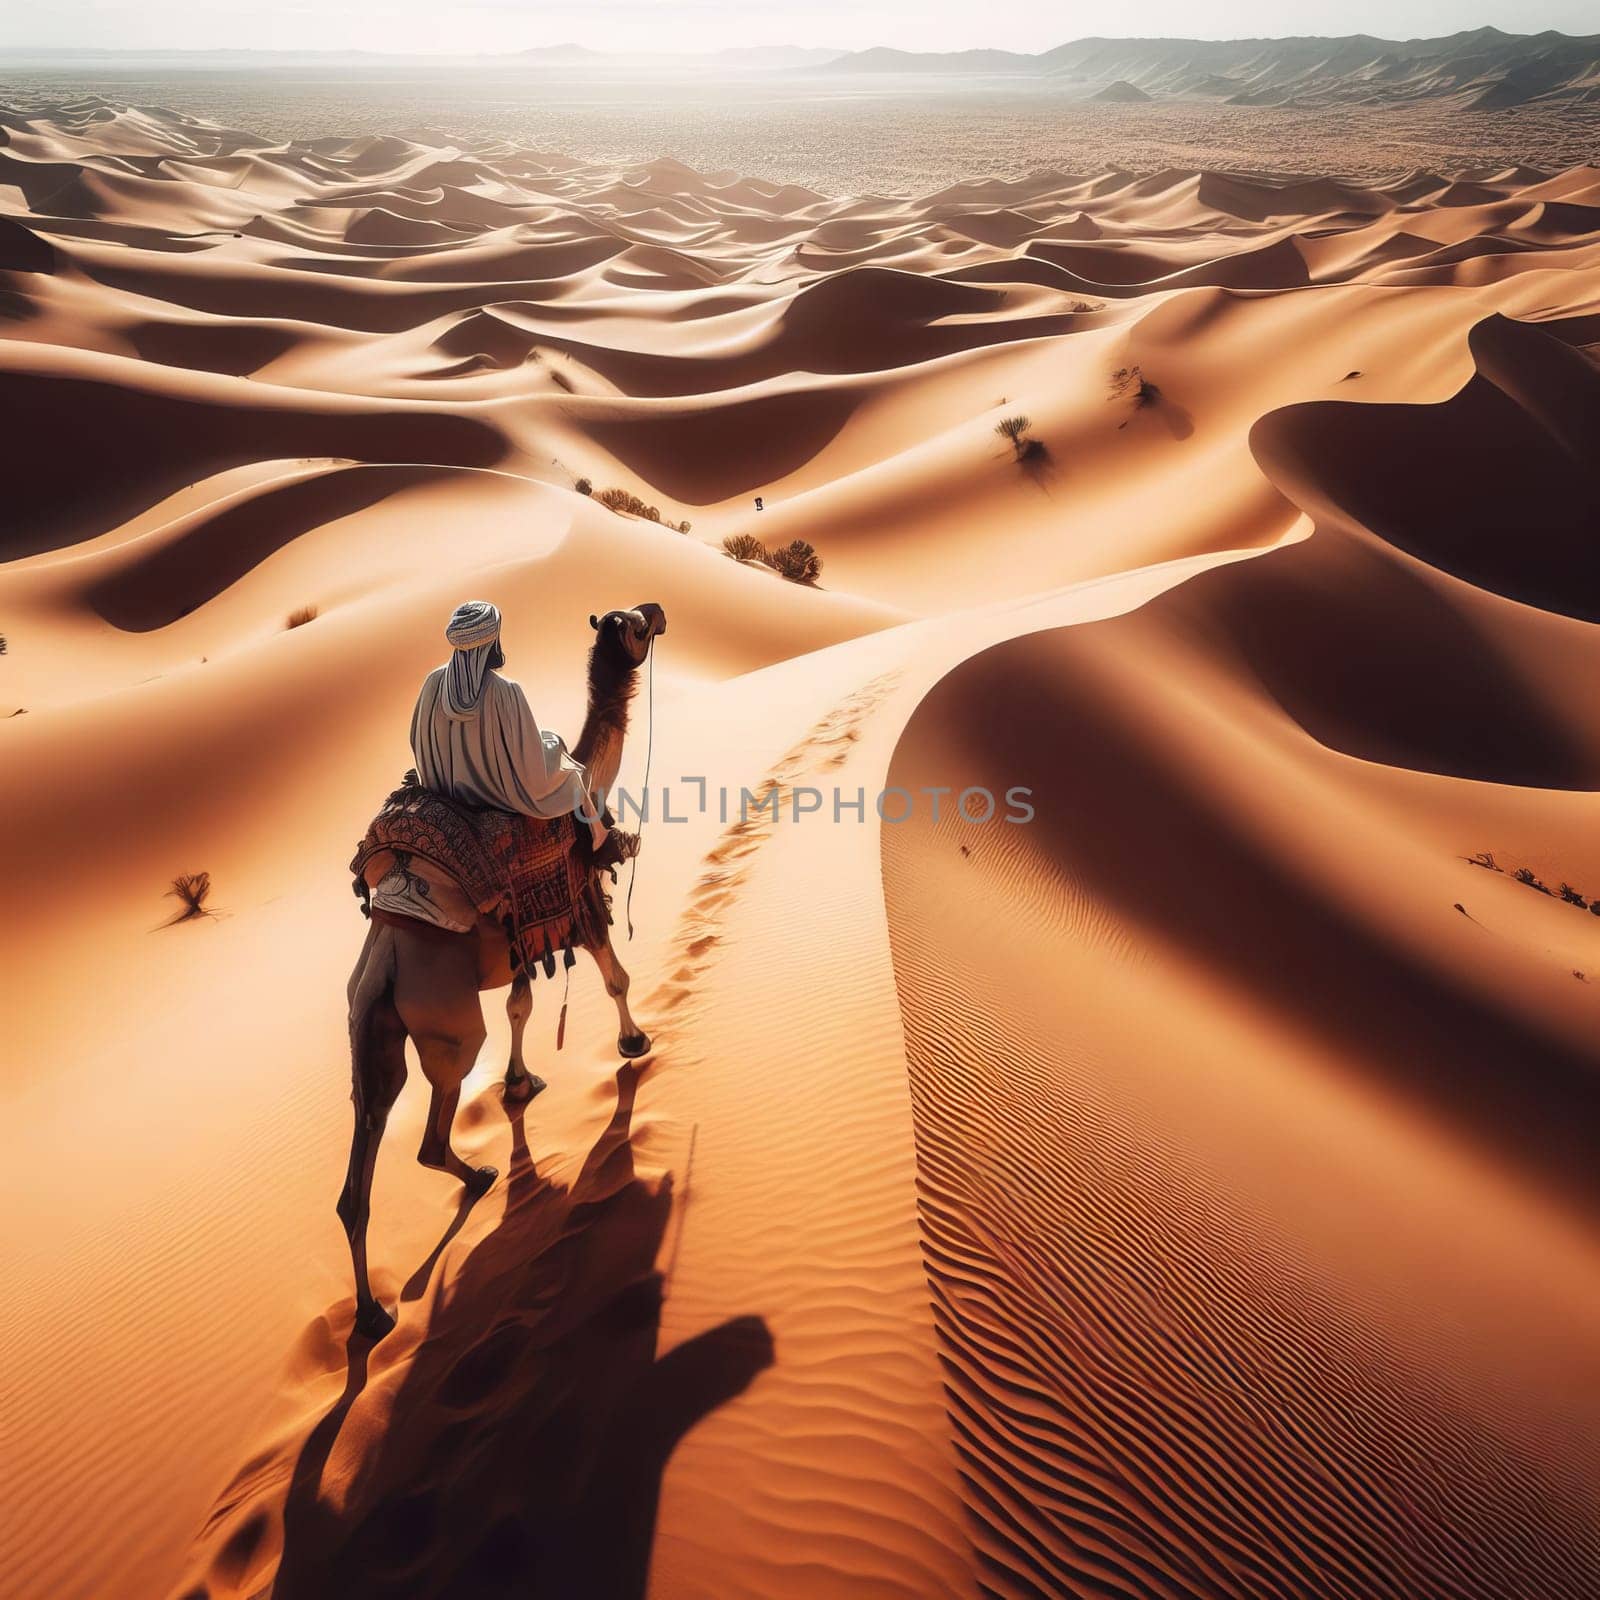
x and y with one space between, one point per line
373 1322
482 1180
630 1046
519 1091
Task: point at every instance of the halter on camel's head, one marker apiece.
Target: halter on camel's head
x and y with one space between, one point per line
631 631
621 646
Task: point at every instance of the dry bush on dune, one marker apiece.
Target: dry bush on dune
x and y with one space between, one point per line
190 889
299 617
797 561
744 547
1015 429
1527 877
1129 383
625 503
584 486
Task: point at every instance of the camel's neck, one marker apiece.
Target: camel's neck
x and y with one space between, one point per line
599 747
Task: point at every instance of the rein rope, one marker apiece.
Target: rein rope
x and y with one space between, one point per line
649 749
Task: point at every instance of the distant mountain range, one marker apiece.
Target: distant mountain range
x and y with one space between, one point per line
1484 68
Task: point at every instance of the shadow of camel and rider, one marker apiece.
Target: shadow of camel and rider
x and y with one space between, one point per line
525 1447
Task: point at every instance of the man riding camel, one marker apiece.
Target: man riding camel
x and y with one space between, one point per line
476 741
473 879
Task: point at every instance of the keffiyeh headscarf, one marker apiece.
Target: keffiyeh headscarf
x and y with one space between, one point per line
473 632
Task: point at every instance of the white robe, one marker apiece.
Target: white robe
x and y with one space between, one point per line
496 755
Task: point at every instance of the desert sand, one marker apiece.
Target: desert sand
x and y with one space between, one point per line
902 121
1190 1192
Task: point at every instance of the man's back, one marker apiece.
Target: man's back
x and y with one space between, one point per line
494 754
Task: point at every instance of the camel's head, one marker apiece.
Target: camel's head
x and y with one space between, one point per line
630 633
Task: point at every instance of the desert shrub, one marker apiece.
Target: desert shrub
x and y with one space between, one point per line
190 889
744 547
625 503
798 562
299 617
584 486
1015 429
1526 875
1130 383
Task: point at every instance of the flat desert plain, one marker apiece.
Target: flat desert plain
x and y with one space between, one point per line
838 131
1190 1191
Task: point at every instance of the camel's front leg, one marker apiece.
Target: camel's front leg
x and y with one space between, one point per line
521 1085
632 1040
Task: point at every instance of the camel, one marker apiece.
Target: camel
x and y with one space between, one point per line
422 983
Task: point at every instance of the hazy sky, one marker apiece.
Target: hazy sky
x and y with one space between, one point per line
497 25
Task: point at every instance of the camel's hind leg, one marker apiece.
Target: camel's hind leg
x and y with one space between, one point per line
521 1085
632 1040
378 1070
436 995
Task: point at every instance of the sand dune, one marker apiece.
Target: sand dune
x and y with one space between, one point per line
1532 410
1188 1193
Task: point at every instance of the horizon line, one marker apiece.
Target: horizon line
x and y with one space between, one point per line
838 54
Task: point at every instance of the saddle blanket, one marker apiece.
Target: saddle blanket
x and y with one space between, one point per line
530 874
